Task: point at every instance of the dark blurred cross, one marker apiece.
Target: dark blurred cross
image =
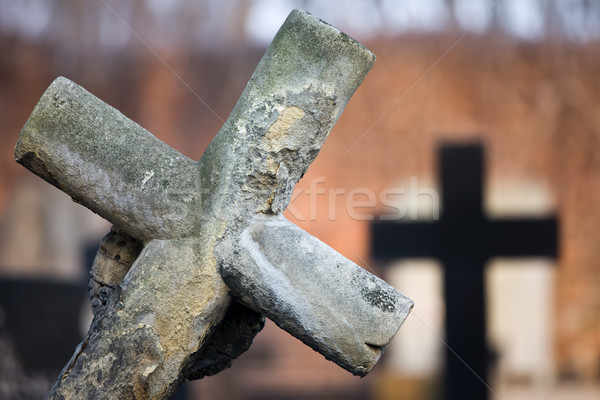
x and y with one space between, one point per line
464 239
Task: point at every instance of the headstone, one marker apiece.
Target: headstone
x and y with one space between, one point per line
464 239
39 327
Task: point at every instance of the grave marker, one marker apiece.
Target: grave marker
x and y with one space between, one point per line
212 231
464 240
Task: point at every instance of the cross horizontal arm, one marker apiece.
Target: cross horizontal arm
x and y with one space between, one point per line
390 240
523 238
317 295
110 164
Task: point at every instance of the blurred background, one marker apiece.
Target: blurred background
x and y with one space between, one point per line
517 78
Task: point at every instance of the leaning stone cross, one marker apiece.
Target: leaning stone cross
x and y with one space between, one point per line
212 231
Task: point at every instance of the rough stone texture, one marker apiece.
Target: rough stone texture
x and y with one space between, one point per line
110 164
307 288
198 220
163 312
231 338
293 99
234 335
116 254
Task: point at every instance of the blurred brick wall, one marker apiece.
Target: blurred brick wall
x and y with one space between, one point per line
535 107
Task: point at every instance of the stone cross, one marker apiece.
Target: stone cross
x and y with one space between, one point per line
464 240
212 231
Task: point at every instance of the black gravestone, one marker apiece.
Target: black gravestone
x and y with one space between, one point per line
39 329
464 240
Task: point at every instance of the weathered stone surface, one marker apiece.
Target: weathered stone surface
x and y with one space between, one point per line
110 164
151 326
307 288
116 254
231 338
198 220
293 99
234 335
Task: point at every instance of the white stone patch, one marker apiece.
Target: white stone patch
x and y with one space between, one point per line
272 220
147 176
148 370
147 319
284 289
